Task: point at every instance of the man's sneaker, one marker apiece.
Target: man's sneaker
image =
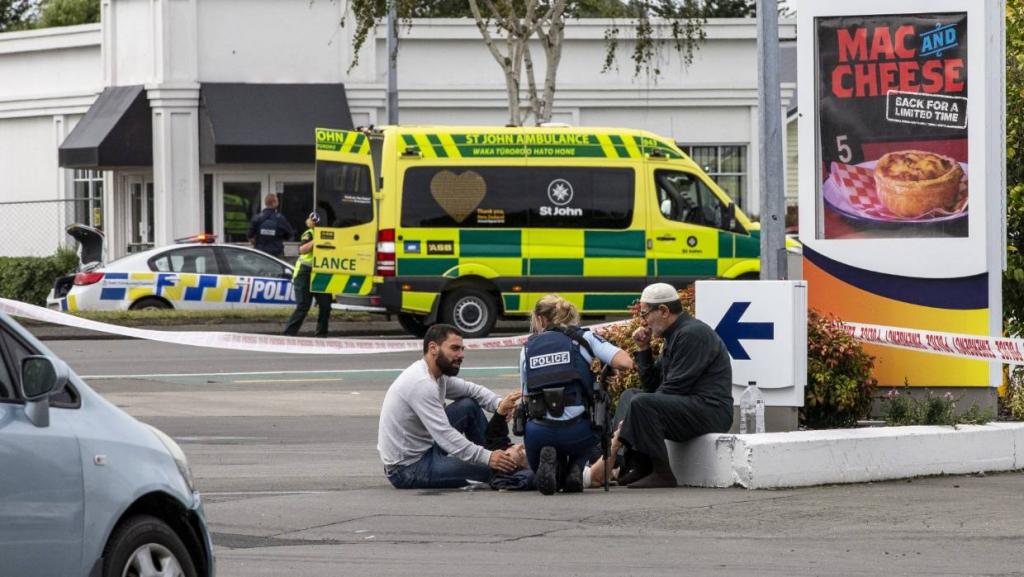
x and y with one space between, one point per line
547 471
574 479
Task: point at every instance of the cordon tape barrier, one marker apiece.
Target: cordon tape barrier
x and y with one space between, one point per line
1004 350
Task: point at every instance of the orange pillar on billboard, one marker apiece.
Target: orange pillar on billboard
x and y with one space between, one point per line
902 173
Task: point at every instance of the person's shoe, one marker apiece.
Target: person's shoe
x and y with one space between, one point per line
655 480
547 471
574 479
632 476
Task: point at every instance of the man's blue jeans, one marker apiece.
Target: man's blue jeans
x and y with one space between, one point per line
436 470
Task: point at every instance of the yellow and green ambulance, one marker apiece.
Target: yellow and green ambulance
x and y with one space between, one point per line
466 224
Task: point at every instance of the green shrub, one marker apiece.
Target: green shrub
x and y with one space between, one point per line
901 408
1014 399
29 279
839 380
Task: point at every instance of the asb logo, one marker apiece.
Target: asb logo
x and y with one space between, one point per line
560 192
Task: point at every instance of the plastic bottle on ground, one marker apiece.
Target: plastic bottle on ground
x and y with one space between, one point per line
751 410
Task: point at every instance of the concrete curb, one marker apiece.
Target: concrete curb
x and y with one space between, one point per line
807 458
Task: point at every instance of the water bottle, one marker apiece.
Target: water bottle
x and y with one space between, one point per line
751 410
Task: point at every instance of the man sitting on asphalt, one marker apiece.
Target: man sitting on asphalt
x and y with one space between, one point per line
688 391
425 444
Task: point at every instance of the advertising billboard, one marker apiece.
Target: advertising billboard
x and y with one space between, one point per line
902 180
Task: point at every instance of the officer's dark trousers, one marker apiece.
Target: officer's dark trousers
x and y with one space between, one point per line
303 300
650 418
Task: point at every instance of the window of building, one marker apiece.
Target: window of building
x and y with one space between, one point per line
726 165
518 197
88 197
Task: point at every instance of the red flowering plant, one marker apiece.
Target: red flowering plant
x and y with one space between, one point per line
839 381
621 335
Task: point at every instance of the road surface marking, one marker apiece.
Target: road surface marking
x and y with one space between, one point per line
298 372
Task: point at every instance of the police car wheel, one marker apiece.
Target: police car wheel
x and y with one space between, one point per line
413 324
149 304
472 311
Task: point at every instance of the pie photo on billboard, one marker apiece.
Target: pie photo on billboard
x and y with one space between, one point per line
912 183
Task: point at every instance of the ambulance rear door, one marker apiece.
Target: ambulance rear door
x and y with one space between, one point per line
343 251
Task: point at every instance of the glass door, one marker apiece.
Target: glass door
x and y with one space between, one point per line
238 199
295 195
140 213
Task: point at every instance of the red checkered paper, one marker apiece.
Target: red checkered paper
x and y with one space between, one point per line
857 185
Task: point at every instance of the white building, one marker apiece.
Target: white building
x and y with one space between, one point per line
174 117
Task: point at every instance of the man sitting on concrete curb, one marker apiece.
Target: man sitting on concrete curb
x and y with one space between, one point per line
425 444
688 391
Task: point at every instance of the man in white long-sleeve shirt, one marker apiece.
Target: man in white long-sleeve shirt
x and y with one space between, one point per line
425 444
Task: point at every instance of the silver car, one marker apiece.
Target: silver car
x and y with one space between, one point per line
85 489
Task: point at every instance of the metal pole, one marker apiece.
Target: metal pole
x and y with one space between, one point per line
769 111
392 62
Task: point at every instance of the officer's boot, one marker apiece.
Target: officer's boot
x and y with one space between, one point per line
547 471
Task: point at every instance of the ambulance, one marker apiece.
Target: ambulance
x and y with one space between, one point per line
464 225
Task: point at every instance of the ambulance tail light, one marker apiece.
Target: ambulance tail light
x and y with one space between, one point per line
87 278
386 252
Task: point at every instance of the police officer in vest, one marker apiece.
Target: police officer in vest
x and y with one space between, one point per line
557 389
301 279
269 229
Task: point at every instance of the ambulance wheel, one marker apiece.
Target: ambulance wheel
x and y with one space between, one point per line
413 324
150 304
470 310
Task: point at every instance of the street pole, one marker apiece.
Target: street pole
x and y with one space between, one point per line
392 62
769 111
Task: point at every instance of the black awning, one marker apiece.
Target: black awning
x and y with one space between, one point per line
116 131
267 123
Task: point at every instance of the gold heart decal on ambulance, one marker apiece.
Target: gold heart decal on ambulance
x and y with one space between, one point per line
458 194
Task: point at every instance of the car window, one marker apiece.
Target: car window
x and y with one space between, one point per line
18 351
518 197
683 197
193 259
249 263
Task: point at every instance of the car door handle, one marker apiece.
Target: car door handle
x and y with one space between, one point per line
666 238
325 246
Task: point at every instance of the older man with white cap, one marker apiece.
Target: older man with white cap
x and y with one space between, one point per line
687 392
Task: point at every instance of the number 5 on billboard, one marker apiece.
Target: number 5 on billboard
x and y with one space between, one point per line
845 154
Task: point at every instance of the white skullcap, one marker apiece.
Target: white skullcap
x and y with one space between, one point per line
659 293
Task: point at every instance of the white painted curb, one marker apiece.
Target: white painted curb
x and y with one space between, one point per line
806 458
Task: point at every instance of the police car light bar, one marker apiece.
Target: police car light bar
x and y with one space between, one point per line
205 238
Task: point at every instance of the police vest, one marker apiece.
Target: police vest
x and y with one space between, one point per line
553 360
304 260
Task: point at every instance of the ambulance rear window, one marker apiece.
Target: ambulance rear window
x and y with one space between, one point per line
344 195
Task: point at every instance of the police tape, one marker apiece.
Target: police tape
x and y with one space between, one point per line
248 342
982 348
242 341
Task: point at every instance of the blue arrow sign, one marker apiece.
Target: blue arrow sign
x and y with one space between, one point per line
732 331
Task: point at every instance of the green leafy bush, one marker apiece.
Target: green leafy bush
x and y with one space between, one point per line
29 279
901 408
839 380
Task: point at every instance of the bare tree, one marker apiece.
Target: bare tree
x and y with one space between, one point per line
509 26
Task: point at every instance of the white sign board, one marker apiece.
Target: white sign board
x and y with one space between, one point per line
764 326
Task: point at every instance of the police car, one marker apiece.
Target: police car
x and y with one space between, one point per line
195 275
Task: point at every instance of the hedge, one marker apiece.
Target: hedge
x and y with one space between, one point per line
30 278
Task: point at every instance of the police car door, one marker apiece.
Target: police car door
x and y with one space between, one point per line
343 248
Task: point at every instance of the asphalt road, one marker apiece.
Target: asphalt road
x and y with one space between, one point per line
283 449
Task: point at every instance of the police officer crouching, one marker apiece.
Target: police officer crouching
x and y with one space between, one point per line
558 386
301 279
